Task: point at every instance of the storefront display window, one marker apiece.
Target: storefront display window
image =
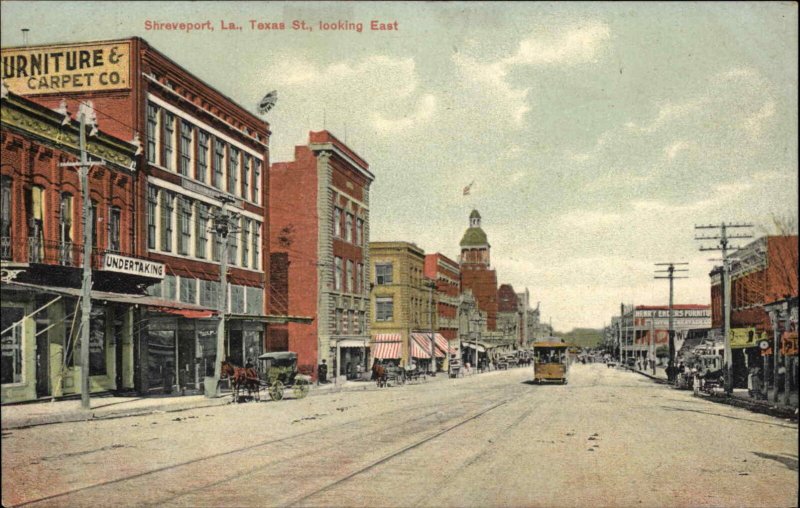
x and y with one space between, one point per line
97 337
11 369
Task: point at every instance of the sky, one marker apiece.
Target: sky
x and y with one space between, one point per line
597 135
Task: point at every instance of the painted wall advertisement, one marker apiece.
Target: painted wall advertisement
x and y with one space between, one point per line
73 68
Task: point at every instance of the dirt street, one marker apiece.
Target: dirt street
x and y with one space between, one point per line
608 438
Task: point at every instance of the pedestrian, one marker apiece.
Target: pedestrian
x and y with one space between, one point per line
322 372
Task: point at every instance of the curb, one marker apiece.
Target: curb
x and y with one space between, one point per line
36 421
757 407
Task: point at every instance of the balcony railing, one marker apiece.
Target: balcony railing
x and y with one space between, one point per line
6 254
54 253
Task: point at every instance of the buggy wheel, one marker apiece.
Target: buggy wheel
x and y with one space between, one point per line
276 390
300 389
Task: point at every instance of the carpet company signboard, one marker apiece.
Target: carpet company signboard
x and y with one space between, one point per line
122 264
60 69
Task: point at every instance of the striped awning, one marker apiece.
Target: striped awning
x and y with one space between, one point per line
387 346
421 345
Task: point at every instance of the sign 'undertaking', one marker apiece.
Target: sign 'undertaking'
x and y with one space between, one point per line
122 264
60 69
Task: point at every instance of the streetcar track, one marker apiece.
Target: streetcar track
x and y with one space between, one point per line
248 448
395 453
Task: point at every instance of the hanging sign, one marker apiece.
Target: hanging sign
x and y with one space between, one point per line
789 344
133 266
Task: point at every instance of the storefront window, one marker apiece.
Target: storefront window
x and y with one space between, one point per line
161 359
11 367
97 338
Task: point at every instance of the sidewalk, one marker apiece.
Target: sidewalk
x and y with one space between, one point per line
739 398
31 414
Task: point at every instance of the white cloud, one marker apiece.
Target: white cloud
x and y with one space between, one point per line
673 149
754 123
571 46
426 106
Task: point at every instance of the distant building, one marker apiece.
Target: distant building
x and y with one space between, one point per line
447 275
510 314
476 273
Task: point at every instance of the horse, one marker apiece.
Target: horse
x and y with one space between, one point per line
241 376
379 375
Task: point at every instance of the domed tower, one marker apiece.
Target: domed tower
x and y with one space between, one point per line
474 244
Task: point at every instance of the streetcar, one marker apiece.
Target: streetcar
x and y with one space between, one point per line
550 362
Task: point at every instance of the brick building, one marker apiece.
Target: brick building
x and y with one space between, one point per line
319 218
200 151
41 234
762 272
476 274
447 275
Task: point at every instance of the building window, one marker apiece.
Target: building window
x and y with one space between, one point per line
383 273
233 170
245 242
202 156
11 367
337 278
359 231
209 294
384 308
216 241
349 277
256 181
188 290
233 248
344 315
97 341
256 244
167 205
152 133
169 287
359 278
237 299
114 229
93 222
6 217
65 230
337 222
186 148
219 162
169 139
36 214
185 216
246 176
352 324
152 204
201 231
348 228
337 321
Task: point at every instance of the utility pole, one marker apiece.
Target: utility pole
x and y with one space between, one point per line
671 327
85 115
619 329
223 227
653 344
723 246
430 285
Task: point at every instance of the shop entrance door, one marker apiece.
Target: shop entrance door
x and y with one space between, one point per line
161 360
42 359
186 355
235 347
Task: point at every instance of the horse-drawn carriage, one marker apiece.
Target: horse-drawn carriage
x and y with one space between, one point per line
275 372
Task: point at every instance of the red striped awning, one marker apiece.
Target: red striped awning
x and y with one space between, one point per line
421 346
387 346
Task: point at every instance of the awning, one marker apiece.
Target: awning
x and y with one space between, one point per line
387 346
387 350
352 342
273 319
105 296
187 313
472 345
423 340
